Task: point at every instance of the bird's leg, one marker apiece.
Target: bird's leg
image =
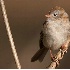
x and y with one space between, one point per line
52 56
64 47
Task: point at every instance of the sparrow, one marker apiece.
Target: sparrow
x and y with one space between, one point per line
54 34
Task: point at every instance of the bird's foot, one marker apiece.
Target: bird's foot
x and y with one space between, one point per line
64 48
56 60
53 57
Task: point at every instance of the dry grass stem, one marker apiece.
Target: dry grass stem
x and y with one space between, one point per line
10 35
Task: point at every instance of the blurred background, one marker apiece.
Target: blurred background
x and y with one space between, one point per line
26 18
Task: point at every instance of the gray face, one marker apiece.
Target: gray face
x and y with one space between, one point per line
58 14
55 14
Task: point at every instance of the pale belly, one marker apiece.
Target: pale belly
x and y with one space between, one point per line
54 38
53 43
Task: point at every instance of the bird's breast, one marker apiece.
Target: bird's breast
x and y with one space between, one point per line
54 35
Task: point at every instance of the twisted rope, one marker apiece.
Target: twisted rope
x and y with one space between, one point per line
10 35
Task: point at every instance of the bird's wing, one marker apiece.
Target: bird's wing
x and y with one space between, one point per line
41 38
40 54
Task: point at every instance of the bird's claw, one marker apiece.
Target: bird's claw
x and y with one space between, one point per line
56 60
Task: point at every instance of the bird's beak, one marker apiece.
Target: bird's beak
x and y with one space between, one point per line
47 16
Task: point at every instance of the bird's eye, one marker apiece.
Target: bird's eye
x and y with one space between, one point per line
55 14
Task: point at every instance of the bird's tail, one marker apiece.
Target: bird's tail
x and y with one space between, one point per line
40 54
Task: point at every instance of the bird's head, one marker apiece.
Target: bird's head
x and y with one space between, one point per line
57 13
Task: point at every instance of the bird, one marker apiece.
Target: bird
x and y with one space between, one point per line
54 33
